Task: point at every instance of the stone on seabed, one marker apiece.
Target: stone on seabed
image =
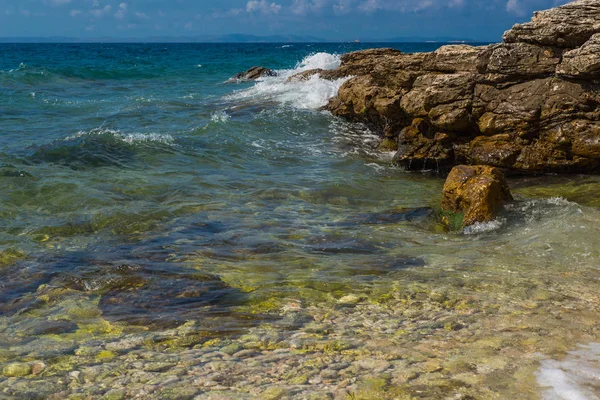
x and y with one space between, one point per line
16 369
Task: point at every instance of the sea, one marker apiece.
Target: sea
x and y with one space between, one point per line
168 231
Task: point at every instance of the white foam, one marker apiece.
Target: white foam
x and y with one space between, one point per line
318 61
310 94
575 378
559 201
220 117
130 138
483 227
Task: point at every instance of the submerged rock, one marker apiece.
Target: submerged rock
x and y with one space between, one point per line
253 74
10 256
16 370
529 104
160 297
476 191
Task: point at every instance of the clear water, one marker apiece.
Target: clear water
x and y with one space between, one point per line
142 195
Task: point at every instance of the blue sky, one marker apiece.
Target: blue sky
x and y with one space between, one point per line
328 19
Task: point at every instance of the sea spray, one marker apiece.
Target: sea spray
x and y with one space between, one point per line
310 94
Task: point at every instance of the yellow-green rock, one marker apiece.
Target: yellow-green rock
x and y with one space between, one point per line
16 369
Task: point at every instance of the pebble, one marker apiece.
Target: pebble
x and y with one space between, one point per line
231 349
158 366
17 370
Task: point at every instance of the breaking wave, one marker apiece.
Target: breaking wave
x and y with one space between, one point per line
310 94
101 147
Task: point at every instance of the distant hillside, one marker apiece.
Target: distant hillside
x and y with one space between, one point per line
233 38
421 39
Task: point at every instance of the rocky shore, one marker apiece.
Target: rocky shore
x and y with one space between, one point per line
530 104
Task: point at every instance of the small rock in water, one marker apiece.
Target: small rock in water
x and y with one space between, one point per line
349 300
231 349
158 297
253 74
52 328
16 370
476 191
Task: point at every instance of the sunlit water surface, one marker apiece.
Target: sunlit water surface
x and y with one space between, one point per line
152 213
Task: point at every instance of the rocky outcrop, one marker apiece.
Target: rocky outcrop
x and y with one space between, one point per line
476 191
530 104
253 74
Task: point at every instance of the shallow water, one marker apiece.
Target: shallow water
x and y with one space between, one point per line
165 234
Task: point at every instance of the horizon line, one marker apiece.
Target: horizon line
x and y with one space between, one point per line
234 38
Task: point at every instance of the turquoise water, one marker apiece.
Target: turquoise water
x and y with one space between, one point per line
147 200
117 154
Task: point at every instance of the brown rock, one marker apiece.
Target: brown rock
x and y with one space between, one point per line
531 104
453 58
583 62
476 191
253 74
498 150
304 75
567 26
522 59
420 148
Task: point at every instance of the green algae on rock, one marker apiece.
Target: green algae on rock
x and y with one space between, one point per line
17 370
10 256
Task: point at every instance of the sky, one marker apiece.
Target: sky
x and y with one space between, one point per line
343 20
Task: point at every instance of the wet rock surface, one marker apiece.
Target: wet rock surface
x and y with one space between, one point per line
528 105
253 74
476 191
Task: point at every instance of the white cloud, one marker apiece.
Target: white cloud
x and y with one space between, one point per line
142 15
234 12
188 26
25 13
406 6
60 2
263 6
302 7
343 7
100 12
74 13
513 6
122 11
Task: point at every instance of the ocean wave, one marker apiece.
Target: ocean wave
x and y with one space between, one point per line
102 147
130 138
32 75
310 94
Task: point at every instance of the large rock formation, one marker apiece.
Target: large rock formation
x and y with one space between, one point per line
529 104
